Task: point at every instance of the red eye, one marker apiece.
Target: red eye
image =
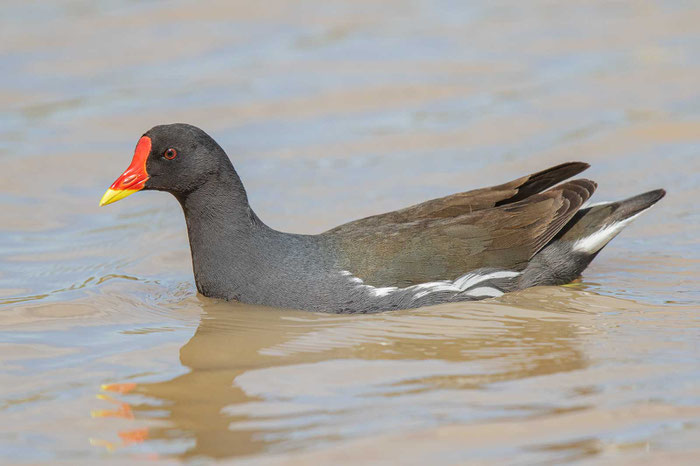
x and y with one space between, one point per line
170 154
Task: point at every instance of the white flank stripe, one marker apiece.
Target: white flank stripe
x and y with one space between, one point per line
594 242
379 292
438 286
485 291
435 288
463 283
467 281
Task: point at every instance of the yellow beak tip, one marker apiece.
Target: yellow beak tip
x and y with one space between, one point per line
113 195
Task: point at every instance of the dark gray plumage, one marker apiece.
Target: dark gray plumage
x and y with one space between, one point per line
482 243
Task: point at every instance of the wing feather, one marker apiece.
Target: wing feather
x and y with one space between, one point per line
472 201
410 251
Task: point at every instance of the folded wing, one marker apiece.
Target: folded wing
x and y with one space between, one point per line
442 239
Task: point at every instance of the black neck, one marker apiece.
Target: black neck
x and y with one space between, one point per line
223 231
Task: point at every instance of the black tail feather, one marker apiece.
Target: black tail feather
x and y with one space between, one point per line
577 244
590 220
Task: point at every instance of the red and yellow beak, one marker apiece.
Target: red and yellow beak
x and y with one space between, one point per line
134 178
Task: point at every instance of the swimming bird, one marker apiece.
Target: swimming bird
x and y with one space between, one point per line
535 230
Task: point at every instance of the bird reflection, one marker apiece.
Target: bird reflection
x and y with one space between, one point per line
240 395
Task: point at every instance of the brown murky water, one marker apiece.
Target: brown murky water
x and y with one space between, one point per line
332 111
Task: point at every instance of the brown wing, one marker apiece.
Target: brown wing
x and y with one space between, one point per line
472 201
440 248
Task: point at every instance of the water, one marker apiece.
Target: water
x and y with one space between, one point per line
331 111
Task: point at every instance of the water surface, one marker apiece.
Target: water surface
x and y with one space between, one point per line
331 111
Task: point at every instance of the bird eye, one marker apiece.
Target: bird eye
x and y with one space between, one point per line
170 154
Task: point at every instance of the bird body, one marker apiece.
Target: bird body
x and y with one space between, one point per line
534 230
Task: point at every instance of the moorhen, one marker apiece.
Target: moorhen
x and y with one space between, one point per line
467 246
